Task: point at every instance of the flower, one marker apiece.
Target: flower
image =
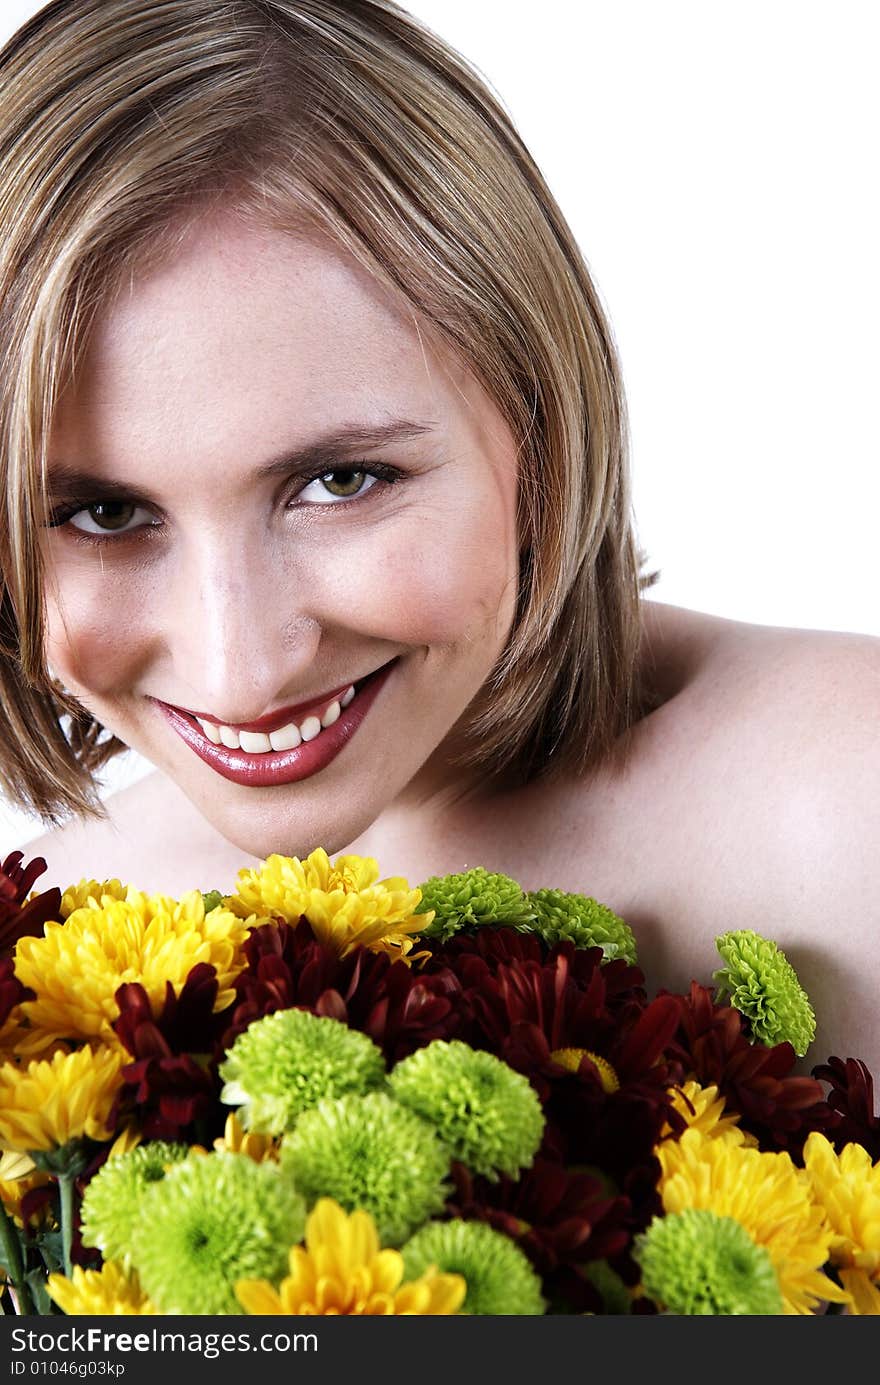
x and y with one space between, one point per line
18 1176
847 1185
763 985
52 1102
111 1201
213 1220
90 893
285 1063
471 899
697 1262
851 1100
583 921
710 1046
235 1140
344 901
562 1219
369 1152
488 1115
166 1088
767 1195
398 1008
499 1278
21 915
94 1293
342 1270
704 1109
12 993
77 967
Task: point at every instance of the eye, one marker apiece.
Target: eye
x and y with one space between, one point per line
109 517
337 485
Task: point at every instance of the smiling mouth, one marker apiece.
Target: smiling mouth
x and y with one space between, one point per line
283 730
308 740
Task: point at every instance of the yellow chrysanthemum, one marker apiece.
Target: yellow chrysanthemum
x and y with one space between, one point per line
344 901
342 1271
108 1291
847 1186
18 1176
76 968
767 1195
704 1110
90 892
49 1103
571 1058
255 1145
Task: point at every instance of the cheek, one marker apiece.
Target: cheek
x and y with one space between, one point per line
92 636
430 584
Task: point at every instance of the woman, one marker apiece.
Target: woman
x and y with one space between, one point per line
316 494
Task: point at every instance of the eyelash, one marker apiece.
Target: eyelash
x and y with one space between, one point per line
380 473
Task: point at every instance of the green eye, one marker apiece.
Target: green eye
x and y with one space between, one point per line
343 483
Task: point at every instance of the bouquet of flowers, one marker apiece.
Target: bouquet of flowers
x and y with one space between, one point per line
331 1093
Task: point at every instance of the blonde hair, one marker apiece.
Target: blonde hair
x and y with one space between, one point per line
349 119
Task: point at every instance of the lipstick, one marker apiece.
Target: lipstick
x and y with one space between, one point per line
269 768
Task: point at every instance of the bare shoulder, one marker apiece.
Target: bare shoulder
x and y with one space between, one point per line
150 836
102 847
772 762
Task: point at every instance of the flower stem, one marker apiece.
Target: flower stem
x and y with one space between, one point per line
65 1185
11 1251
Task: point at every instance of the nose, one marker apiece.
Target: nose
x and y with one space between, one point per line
239 640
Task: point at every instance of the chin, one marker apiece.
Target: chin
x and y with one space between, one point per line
262 839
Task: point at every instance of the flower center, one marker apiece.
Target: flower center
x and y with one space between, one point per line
570 1059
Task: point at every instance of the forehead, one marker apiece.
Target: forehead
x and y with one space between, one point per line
256 322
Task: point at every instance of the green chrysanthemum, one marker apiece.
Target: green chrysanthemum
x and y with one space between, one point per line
576 918
488 1115
288 1061
500 1280
214 1219
111 1203
471 899
762 984
371 1153
697 1263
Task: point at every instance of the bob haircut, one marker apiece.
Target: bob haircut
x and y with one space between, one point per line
121 121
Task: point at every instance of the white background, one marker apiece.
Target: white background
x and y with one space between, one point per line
718 163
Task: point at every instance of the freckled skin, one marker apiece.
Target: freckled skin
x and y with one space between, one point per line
247 597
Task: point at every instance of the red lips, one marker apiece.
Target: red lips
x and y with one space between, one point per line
264 770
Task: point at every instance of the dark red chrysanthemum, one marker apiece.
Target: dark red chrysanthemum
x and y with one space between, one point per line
526 1003
167 1089
167 1095
779 1109
851 1098
560 1218
509 977
19 919
185 1024
12 992
399 1008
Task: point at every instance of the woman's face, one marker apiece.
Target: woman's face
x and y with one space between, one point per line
276 488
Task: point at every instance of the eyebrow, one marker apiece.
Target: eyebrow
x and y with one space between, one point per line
72 483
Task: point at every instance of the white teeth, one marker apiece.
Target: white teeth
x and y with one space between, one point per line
332 714
255 741
285 738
